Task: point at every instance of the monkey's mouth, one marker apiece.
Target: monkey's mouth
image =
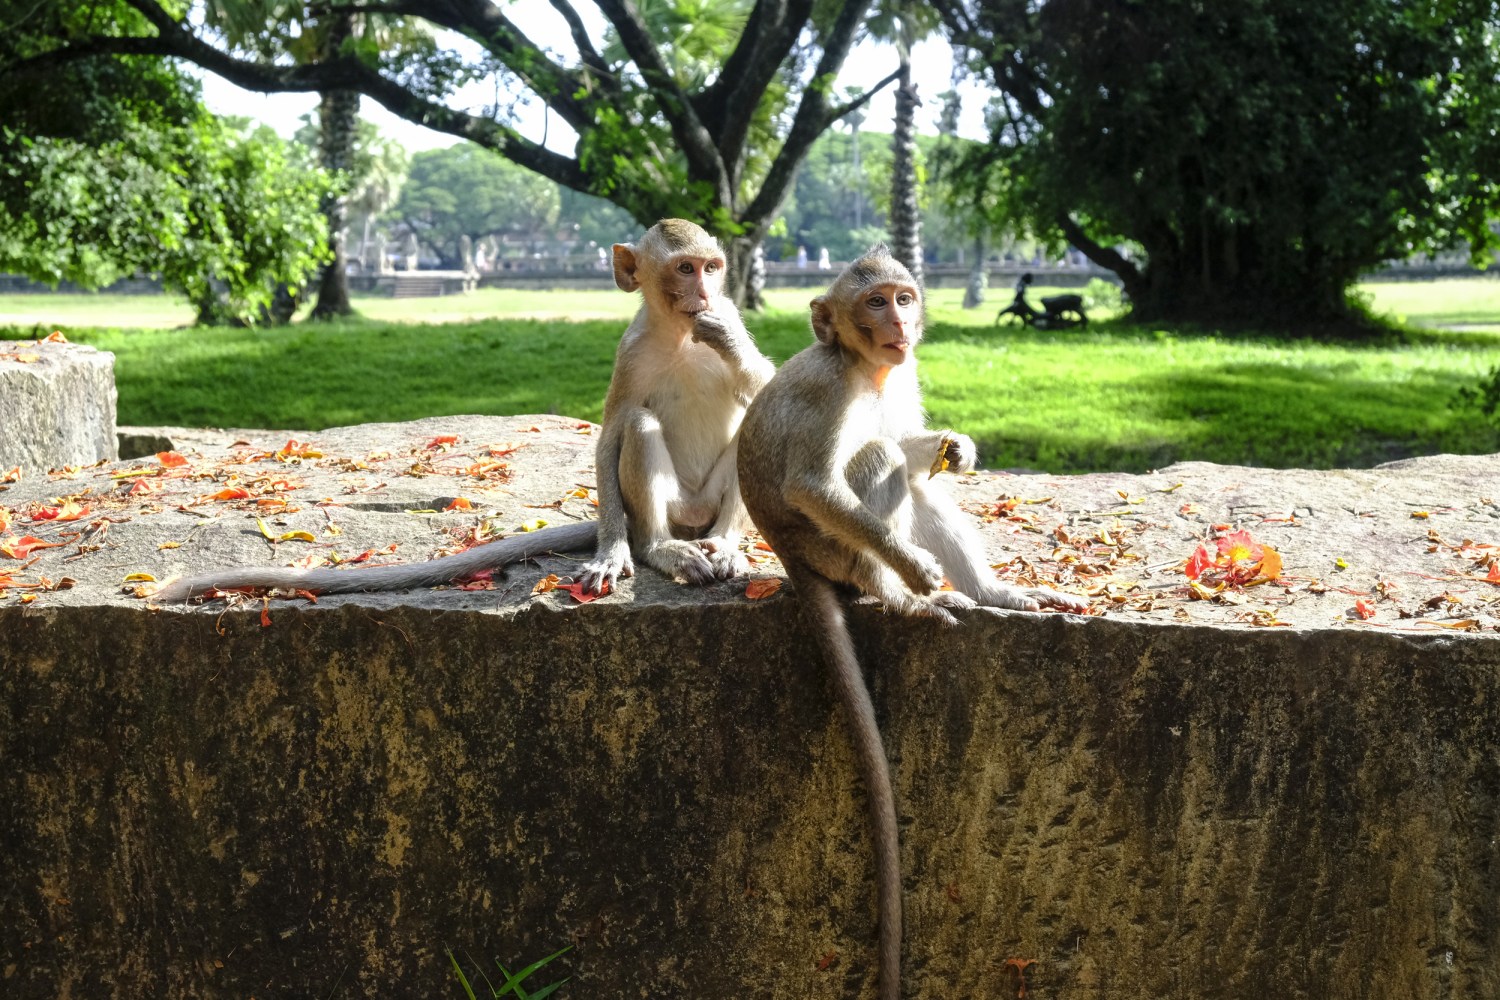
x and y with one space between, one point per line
900 346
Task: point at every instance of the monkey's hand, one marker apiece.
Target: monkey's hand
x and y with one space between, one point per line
1031 599
918 569
600 574
715 331
959 453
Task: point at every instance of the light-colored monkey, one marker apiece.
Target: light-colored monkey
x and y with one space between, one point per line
834 460
667 482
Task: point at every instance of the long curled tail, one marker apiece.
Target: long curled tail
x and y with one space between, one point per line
398 576
832 632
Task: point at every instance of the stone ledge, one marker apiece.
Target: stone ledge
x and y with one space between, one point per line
1163 801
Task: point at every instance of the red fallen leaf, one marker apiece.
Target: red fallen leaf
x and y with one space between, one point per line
581 595
4 520
13 476
763 547
460 503
170 459
828 959
70 511
1364 609
759 589
20 548
442 440
232 493
1493 576
1200 561
141 486
265 612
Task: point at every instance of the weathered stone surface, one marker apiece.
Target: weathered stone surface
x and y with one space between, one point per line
58 405
1159 801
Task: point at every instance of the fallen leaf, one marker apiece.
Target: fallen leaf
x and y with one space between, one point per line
28 598
1364 609
549 582
56 337
140 578
828 959
20 548
442 441
265 612
13 476
460 503
171 459
581 595
1420 515
535 525
762 588
233 493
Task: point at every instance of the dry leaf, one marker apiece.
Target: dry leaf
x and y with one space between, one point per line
940 463
764 587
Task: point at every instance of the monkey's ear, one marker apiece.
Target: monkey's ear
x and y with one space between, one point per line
625 267
822 321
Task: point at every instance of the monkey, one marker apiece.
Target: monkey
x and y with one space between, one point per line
835 459
668 488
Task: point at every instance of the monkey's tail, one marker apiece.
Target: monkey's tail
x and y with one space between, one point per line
397 576
832 631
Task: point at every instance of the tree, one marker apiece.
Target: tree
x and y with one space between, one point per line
114 167
467 191
1261 154
378 170
653 140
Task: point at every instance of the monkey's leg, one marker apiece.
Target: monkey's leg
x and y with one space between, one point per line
722 492
941 526
651 488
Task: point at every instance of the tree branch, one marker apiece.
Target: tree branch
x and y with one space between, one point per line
811 119
770 32
1105 257
704 161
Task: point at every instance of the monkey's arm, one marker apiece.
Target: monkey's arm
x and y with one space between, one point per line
402 576
836 510
725 332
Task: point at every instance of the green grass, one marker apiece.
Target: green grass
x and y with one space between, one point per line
1116 396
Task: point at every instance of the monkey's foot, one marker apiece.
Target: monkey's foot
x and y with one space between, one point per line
683 561
600 574
724 556
1032 599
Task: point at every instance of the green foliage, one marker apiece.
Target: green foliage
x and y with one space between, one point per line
512 984
468 190
1263 153
221 215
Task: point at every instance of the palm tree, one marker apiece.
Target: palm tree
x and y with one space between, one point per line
902 22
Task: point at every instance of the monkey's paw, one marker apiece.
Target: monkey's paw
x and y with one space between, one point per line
919 570
1032 599
725 557
711 329
600 574
683 561
960 452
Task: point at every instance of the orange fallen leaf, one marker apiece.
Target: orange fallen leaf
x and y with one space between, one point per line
4 520
460 503
763 547
1493 576
141 486
265 612
56 337
171 459
232 493
70 510
828 959
442 441
549 582
1364 609
763 588
20 548
1420 515
13 476
28 598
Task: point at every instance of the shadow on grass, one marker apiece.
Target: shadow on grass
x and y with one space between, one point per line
1260 414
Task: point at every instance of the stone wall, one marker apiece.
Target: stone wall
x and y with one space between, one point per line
1158 800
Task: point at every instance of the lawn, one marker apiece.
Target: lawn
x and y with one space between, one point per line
1116 396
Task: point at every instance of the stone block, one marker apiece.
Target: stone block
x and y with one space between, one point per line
57 405
1290 789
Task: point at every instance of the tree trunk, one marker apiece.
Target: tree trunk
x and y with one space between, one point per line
746 281
906 219
338 116
979 277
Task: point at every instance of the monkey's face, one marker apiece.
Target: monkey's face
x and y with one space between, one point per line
692 283
889 319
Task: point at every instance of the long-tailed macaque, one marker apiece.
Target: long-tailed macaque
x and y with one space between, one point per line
835 459
684 372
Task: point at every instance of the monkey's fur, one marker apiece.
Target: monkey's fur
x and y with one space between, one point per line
834 460
684 372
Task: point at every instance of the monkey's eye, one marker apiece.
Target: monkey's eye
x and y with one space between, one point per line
686 267
905 299
713 266
876 302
